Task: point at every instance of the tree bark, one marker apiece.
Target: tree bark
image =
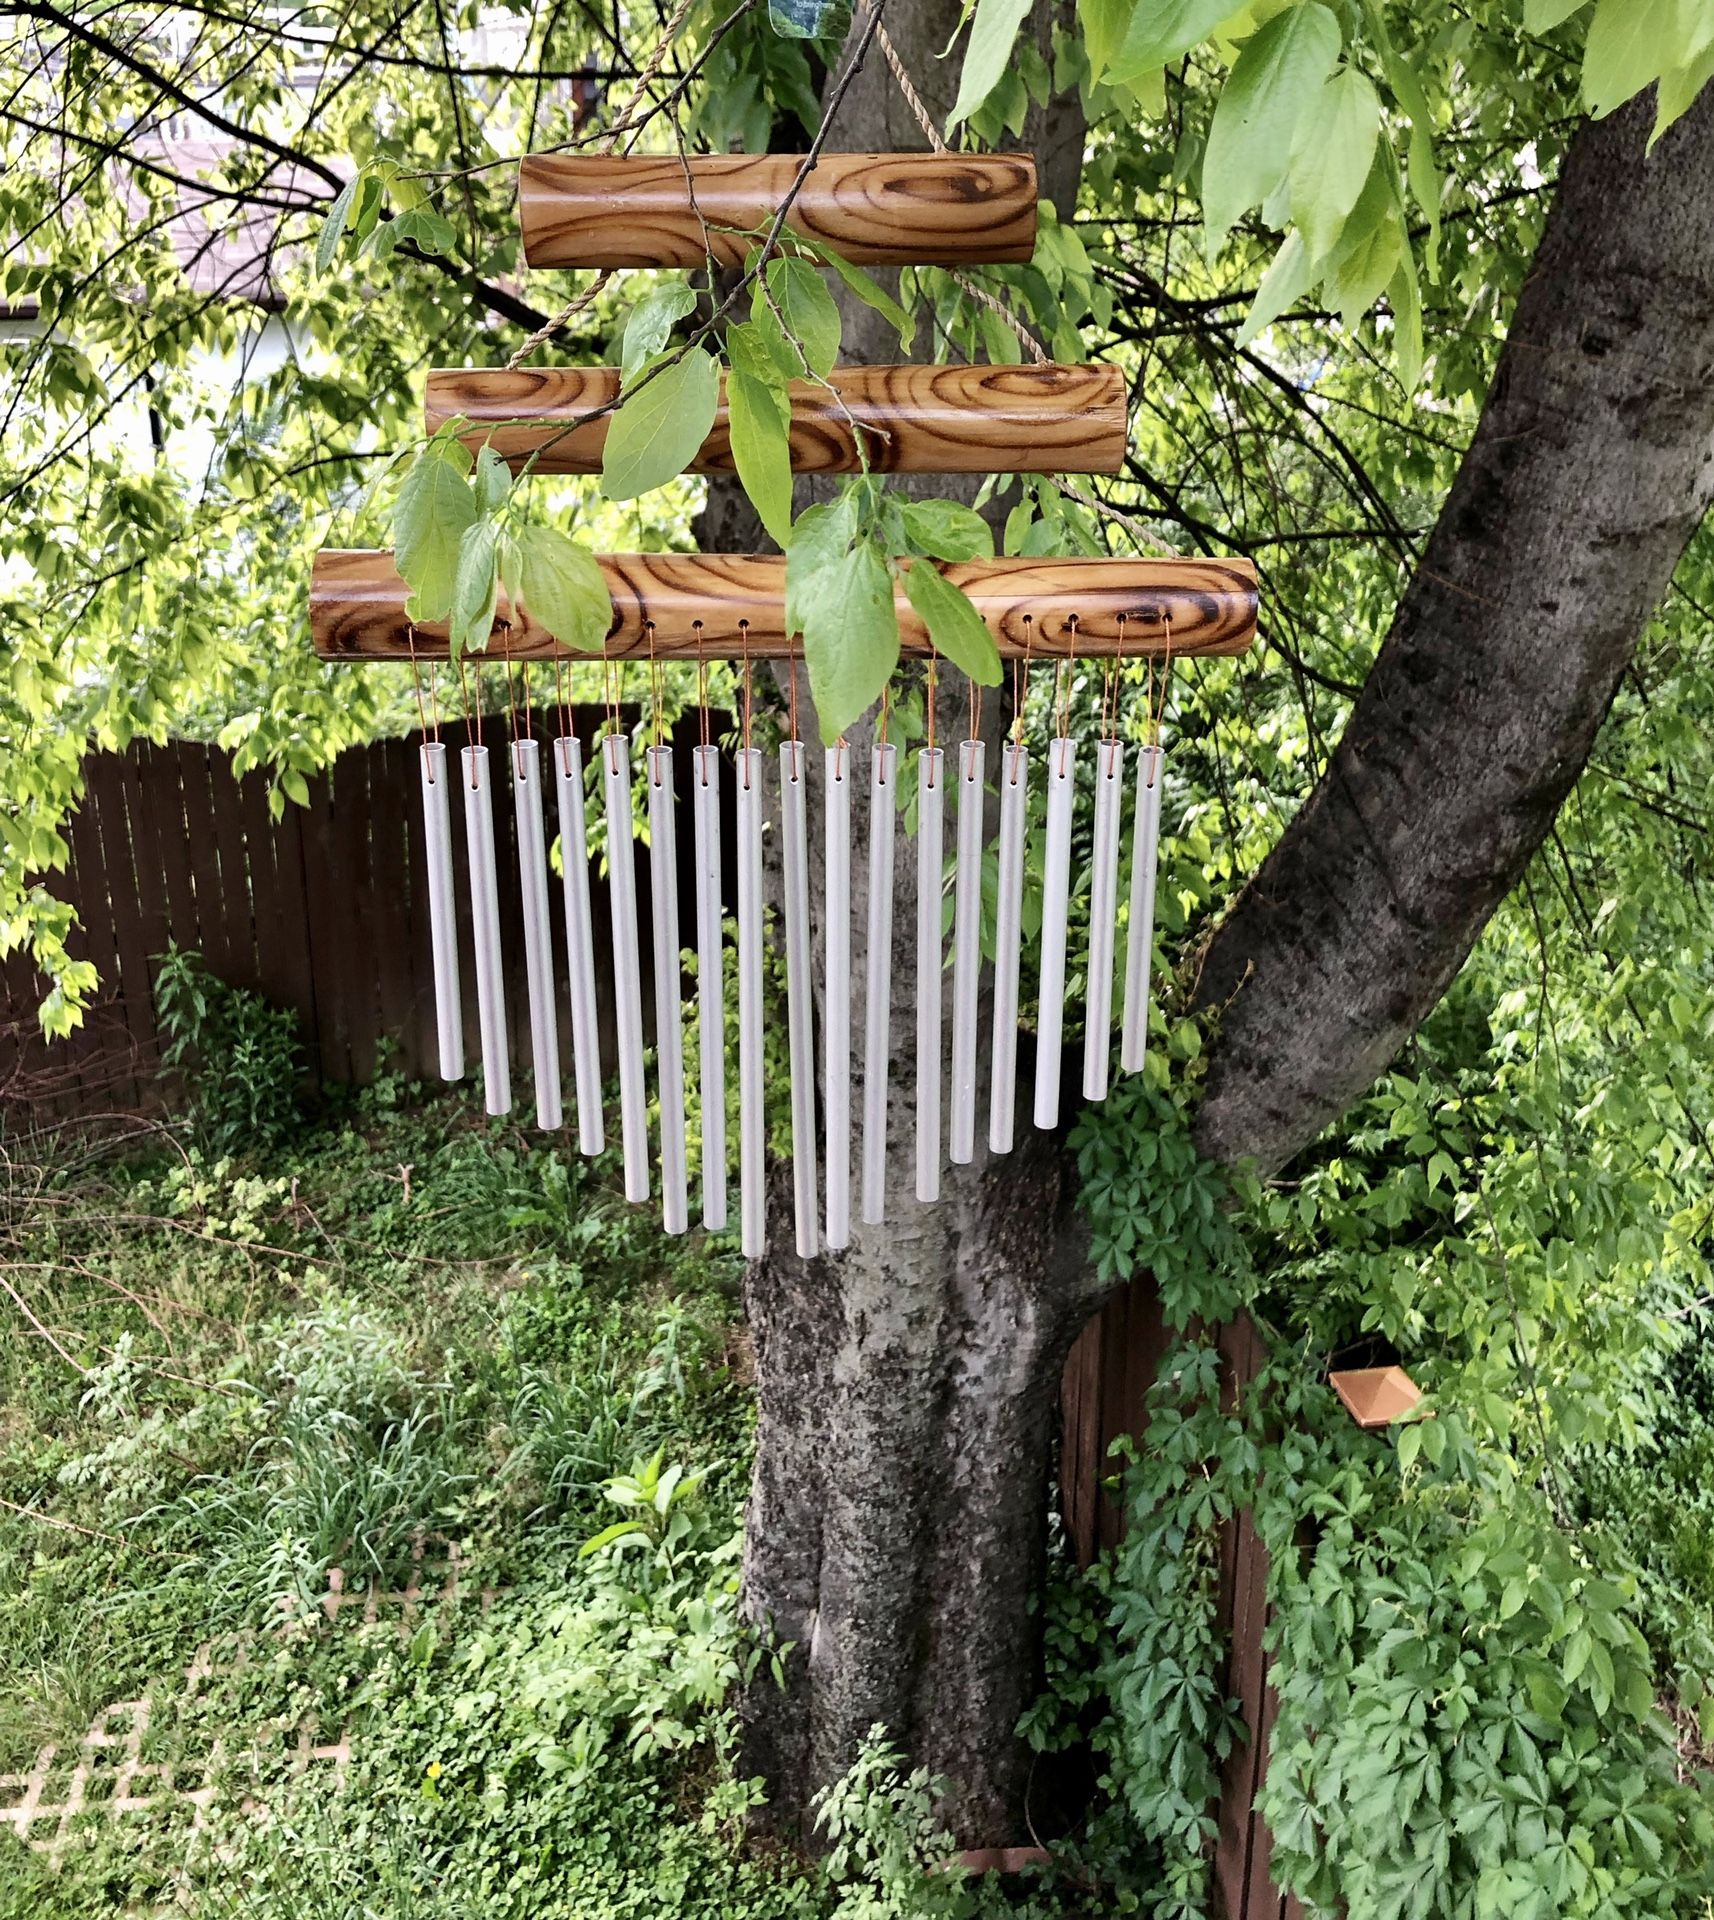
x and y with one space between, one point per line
1592 465
908 1387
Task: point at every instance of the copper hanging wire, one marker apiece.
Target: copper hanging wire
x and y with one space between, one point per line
975 710
749 696
657 687
704 730
1159 714
1062 688
791 700
416 676
886 718
471 713
933 701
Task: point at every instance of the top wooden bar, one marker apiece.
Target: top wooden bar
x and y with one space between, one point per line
877 209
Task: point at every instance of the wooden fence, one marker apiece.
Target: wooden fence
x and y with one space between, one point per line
1104 1395
324 912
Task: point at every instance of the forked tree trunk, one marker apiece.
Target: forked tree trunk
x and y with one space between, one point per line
908 1387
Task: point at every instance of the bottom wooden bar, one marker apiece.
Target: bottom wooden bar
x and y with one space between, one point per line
724 605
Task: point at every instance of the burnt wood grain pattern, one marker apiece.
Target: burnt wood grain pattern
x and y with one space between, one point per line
1049 609
909 419
898 209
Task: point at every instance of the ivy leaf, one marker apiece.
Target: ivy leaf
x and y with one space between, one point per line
1631 44
475 587
561 587
801 302
993 33
1160 31
434 507
655 434
850 630
1331 157
956 628
758 421
1273 81
947 530
867 289
651 323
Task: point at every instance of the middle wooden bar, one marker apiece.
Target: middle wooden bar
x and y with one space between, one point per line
911 419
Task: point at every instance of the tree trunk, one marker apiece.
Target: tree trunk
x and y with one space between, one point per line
908 1387
1591 467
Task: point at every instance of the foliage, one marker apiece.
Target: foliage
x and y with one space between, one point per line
237 1055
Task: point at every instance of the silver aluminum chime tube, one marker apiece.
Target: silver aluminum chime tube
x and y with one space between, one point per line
931 797
579 942
628 990
1103 917
710 986
966 953
485 924
669 1034
443 919
752 1123
1140 933
1056 899
538 931
800 1023
878 980
836 1010
1008 943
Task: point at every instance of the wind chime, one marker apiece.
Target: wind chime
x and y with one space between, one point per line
921 209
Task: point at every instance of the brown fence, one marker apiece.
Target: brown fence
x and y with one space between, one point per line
323 911
1105 1394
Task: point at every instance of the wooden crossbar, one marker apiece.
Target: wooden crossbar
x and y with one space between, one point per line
660 210
913 419
723 606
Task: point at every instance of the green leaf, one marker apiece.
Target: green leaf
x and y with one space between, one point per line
1161 31
562 588
866 288
1406 298
801 302
1631 44
333 227
850 630
651 323
1542 16
434 507
1359 267
987 54
821 538
656 432
947 530
758 420
1678 91
1273 81
956 628
1331 157
475 587
1103 24
493 479
1288 278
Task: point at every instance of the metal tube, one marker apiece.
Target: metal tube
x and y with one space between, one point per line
627 981
710 985
1140 935
669 1005
836 1024
878 981
800 1022
752 1114
966 953
1103 917
1008 944
538 931
485 922
443 922
1056 892
579 942
931 799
